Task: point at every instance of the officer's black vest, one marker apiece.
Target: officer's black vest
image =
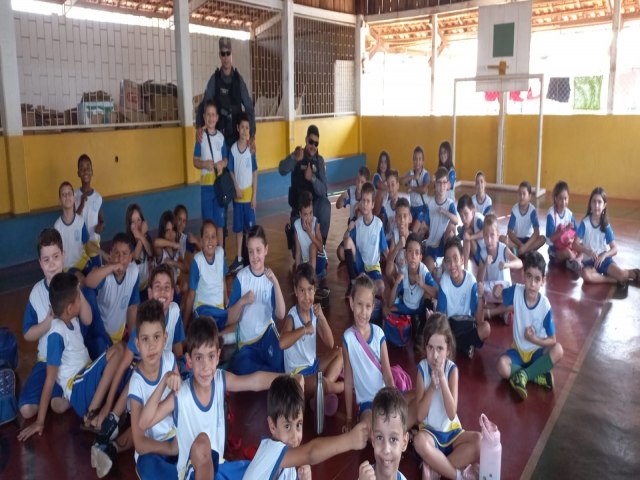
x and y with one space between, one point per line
229 101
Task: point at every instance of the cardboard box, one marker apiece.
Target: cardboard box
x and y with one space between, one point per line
71 116
161 108
94 112
132 116
47 117
130 96
28 115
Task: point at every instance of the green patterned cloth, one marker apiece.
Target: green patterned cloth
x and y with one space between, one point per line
586 92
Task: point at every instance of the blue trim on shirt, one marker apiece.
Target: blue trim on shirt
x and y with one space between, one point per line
55 347
195 397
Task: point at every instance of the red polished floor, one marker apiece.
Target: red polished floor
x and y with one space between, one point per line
579 312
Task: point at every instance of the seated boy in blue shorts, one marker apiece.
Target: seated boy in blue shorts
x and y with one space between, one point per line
441 218
244 172
197 405
458 299
210 156
414 289
535 349
36 325
366 242
83 382
283 455
309 246
524 229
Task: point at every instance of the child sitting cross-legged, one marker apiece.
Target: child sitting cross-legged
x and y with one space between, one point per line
84 384
284 456
441 443
535 348
197 404
304 323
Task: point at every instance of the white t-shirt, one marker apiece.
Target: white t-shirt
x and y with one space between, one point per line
66 350
90 211
493 273
538 316
256 317
74 236
266 463
305 241
114 299
437 417
370 242
437 221
207 279
367 378
523 224
302 353
35 313
141 389
484 207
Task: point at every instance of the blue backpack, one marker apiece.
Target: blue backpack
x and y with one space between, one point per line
8 362
397 329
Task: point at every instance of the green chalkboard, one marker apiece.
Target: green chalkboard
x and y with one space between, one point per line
503 39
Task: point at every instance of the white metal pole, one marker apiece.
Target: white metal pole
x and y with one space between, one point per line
434 59
540 117
453 133
613 52
500 156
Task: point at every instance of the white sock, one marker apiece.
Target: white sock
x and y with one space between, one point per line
229 338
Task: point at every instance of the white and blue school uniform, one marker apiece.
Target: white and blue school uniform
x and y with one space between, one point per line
207 280
153 465
595 239
74 237
451 193
305 243
352 200
400 260
459 299
389 211
77 376
243 164
370 242
483 207
555 220
538 316
173 326
410 296
211 147
301 356
437 423
258 340
267 460
367 378
175 256
377 178
438 224
494 275
35 313
523 224
114 298
478 224
419 201
90 215
191 418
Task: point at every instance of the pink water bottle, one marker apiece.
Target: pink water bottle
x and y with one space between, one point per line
490 450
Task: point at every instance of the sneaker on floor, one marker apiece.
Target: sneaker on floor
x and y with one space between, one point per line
429 473
236 266
472 472
507 317
572 265
518 382
545 380
109 430
105 455
471 351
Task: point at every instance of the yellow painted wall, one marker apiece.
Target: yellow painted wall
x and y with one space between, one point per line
147 159
338 136
586 151
5 199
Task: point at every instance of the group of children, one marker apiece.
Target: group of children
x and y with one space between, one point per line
145 337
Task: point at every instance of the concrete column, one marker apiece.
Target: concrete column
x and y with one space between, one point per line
11 116
613 53
288 70
183 61
434 59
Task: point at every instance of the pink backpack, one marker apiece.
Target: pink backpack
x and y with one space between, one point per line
401 379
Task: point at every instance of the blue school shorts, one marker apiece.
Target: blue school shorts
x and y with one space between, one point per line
32 389
211 209
435 252
443 440
308 370
223 471
244 217
603 268
218 314
263 355
374 274
321 266
523 359
85 384
363 407
151 466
